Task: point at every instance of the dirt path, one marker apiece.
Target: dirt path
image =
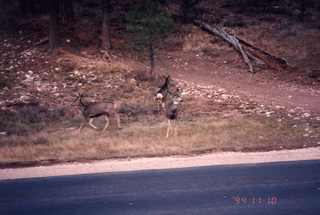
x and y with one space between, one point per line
135 164
293 91
256 87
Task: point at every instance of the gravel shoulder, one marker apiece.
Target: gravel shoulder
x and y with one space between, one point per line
136 164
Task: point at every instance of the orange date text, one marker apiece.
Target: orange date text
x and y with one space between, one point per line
255 200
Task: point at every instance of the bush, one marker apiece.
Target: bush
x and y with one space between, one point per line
32 114
19 129
28 120
4 81
7 117
235 21
58 114
134 110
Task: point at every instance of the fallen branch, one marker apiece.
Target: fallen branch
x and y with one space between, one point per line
45 40
23 38
280 60
232 40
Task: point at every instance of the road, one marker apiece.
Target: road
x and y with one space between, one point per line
267 188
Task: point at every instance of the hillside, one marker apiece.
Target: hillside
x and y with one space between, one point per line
39 88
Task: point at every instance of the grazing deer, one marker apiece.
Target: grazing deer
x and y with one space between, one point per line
90 111
172 111
162 93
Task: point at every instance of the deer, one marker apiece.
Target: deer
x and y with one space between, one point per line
162 93
172 112
91 111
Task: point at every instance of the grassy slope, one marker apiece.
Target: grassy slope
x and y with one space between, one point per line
41 127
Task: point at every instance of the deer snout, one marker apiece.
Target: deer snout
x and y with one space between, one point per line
159 96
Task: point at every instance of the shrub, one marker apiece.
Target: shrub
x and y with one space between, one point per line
7 117
235 21
59 114
5 81
32 114
134 110
19 129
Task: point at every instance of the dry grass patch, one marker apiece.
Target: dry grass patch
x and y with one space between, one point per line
148 139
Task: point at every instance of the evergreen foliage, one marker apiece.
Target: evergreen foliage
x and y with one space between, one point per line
149 23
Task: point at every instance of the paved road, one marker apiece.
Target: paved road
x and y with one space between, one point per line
270 188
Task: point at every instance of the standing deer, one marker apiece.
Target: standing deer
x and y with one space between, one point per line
90 111
162 93
172 111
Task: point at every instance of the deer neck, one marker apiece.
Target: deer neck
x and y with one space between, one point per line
166 84
81 106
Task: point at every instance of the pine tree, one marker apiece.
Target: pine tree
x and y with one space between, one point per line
105 37
149 23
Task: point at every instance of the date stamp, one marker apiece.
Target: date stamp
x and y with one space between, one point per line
255 200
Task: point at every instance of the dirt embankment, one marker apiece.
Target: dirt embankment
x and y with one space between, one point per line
224 158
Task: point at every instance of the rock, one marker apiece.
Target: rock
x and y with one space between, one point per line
306 115
3 133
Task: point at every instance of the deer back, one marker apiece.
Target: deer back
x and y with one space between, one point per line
164 89
98 109
172 106
171 110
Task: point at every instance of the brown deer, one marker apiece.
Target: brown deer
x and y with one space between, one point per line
162 93
172 112
91 111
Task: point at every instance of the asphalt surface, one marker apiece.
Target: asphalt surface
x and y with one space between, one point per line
267 188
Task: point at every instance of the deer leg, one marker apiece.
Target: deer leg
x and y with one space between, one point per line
164 109
90 123
175 127
108 121
172 126
118 120
160 104
82 124
169 125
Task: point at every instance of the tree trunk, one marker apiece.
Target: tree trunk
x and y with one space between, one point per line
151 59
53 9
66 12
105 37
26 6
184 7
